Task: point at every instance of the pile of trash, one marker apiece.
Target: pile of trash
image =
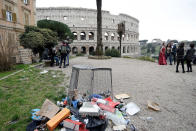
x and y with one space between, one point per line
85 110
86 113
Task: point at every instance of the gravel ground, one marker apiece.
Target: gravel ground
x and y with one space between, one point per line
174 92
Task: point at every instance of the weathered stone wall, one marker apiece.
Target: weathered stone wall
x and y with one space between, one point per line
15 25
83 22
25 56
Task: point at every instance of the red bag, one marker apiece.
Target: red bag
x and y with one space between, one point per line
106 107
111 103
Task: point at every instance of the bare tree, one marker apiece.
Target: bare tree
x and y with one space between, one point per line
7 42
99 49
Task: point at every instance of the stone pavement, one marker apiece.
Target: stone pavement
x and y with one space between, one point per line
175 92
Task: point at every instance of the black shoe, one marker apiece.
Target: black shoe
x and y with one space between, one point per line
191 71
59 66
183 72
177 71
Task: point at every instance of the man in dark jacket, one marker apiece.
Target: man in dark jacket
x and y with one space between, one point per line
180 57
63 54
68 48
189 56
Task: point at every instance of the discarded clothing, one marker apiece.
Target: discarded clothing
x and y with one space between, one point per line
96 124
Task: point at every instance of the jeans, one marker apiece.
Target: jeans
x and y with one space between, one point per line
170 58
67 59
56 58
174 57
63 58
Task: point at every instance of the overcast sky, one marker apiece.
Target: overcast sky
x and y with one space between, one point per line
164 19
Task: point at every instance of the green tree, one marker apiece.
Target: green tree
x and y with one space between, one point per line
153 49
62 30
50 38
149 46
37 39
33 40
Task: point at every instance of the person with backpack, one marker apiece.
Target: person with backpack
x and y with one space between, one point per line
68 49
189 57
63 53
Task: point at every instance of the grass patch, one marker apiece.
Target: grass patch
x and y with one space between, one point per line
80 54
129 57
146 58
14 69
21 93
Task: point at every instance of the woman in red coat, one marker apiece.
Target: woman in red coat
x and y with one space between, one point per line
162 59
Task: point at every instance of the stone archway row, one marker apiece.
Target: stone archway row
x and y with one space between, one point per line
106 36
91 49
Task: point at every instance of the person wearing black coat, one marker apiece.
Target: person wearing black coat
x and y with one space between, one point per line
52 55
189 56
180 57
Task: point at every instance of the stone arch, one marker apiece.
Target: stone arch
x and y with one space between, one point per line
112 36
74 50
91 35
106 35
124 49
75 36
83 50
118 48
91 50
82 36
131 48
106 48
128 49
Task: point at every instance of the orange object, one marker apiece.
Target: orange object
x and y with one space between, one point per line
59 117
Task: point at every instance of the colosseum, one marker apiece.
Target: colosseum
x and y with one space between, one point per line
83 24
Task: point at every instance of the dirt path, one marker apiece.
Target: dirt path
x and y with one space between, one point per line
175 92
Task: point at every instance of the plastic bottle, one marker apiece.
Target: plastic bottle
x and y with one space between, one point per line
116 118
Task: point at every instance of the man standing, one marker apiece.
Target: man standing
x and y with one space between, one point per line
180 57
68 49
189 57
63 53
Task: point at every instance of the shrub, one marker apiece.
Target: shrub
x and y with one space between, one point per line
146 58
37 39
79 54
7 46
112 53
93 53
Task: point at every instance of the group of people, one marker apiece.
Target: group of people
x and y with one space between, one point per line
60 55
178 55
